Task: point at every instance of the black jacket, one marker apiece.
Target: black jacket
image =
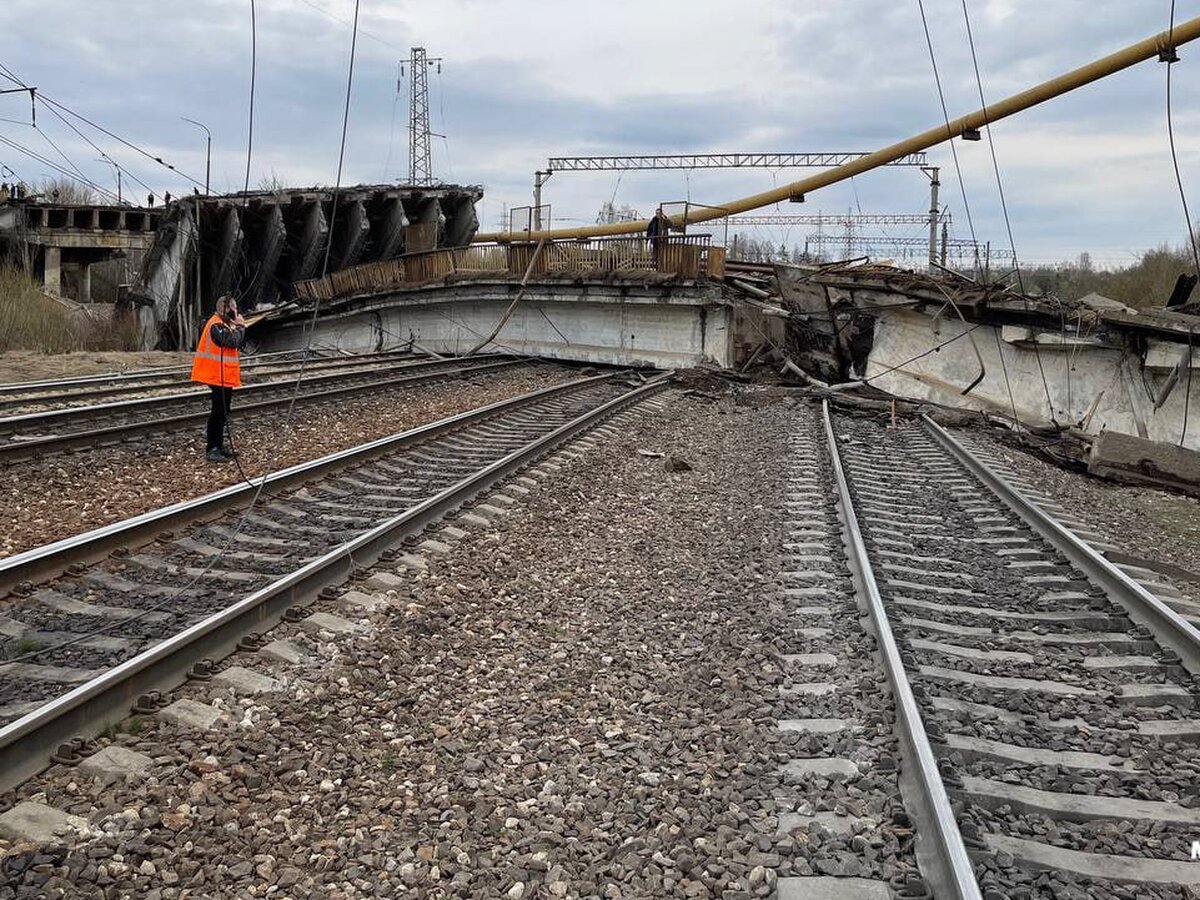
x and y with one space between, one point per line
231 337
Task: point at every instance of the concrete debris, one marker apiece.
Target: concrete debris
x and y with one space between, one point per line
1093 371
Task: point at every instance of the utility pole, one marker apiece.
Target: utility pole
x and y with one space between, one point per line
934 184
946 241
420 160
540 177
207 152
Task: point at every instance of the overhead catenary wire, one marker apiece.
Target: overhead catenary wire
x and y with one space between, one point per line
1037 353
962 186
66 173
1187 217
53 104
262 481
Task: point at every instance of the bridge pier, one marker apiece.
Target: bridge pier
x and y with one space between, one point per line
85 282
52 271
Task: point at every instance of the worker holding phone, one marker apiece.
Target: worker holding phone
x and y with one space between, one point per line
216 365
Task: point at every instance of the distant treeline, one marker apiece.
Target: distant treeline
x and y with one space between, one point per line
1144 284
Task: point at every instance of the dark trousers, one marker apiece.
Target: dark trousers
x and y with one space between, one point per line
222 399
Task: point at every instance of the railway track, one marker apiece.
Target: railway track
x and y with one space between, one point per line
94 621
29 435
28 397
1043 696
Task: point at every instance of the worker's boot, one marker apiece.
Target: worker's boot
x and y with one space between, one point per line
215 455
229 452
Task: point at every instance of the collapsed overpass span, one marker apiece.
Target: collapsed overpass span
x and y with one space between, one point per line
253 245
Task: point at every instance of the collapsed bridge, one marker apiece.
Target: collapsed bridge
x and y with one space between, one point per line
253 244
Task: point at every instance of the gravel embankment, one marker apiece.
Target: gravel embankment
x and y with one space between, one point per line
30 365
575 704
55 497
1142 521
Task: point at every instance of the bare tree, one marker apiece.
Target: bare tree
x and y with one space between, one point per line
66 191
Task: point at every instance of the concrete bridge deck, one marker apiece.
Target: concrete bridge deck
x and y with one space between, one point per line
55 236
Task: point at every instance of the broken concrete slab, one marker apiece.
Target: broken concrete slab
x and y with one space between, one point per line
286 652
385 581
809 689
823 766
241 680
357 601
816 726
191 714
822 887
474 521
838 823
407 561
116 763
1124 457
41 824
335 625
813 660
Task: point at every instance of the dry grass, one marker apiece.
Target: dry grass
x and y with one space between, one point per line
30 320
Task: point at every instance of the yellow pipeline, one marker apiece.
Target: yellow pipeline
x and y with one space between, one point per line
1122 59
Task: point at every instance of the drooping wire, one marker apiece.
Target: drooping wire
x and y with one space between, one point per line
937 79
342 149
962 186
20 148
1037 353
8 73
262 481
253 78
1187 216
93 145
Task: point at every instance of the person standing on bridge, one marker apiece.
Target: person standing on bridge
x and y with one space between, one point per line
216 364
657 230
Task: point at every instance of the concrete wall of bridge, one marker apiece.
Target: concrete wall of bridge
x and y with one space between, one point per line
663 326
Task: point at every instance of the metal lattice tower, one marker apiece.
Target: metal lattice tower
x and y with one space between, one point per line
420 159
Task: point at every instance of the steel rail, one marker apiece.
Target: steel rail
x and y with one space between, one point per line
12 387
1171 629
22 449
949 867
181 379
26 744
51 560
200 392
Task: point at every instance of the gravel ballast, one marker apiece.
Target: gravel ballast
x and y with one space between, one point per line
1142 521
576 701
65 494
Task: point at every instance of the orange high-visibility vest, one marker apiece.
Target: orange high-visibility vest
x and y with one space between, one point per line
215 365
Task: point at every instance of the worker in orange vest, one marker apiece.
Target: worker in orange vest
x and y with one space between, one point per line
216 364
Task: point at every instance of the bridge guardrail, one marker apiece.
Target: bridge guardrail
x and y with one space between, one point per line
685 255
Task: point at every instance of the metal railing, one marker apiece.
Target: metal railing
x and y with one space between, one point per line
685 256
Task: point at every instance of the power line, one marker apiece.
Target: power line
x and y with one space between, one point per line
12 76
278 446
937 78
20 148
1170 58
1004 204
253 76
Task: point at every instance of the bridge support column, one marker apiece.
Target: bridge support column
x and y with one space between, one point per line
85 283
52 271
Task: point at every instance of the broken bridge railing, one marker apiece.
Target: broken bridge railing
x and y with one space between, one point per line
685 256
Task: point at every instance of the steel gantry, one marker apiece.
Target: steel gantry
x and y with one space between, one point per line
1160 46
696 161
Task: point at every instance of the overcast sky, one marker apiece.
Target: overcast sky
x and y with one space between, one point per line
524 80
